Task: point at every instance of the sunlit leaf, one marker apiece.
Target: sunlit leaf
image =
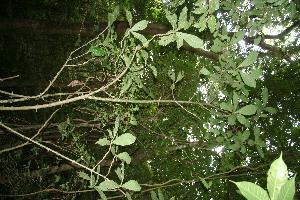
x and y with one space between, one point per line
192 40
250 59
182 22
103 142
248 79
124 139
226 106
96 51
277 177
270 110
252 191
132 185
129 17
107 185
124 156
153 195
204 71
140 26
172 19
247 110
179 76
165 40
141 38
84 175
287 191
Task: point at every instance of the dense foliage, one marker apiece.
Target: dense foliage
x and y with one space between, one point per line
149 99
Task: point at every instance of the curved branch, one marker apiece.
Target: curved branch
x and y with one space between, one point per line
284 33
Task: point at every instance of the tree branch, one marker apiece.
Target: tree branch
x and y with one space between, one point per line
285 32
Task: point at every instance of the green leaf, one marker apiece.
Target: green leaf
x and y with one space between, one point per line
256 131
160 195
103 142
96 51
171 74
153 195
250 59
132 185
235 100
182 22
234 147
265 94
246 134
226 106
84 175
124 156
172 19
252 191
238 37
154 70
260 151
107 185
277 177
102 195
140 26
124 139
165 40
270 110
126 60
128 196
243 149
231 120
192 40
129 17
248 79
251 143
179 76
141 38
120 172
204 71
220 139
214 5
257 73
247 110
211 23
204 183
287 191
257 40
241 119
